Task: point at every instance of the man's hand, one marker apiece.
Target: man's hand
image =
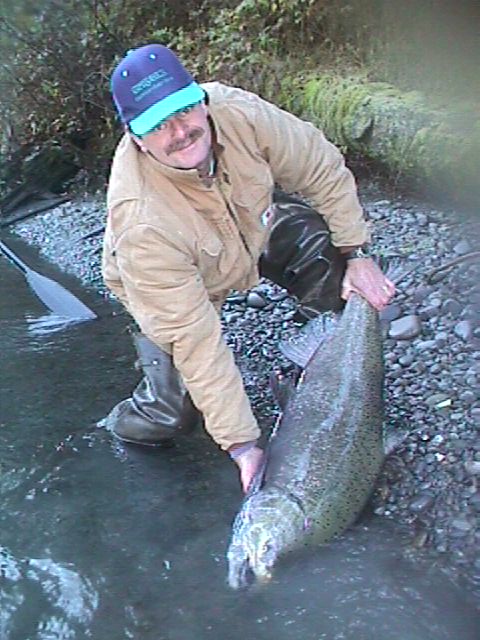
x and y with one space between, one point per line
248 463
364 276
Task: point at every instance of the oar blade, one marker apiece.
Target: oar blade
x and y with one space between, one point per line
57 298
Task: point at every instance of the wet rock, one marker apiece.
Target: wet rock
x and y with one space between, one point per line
453 307
391 312
441 338
426 345
474 501
427 313
236 298
232 316
463 330
462 247
406 360
256 301
468 397
421 293
437 399
472 467
421 502
461 525
405 328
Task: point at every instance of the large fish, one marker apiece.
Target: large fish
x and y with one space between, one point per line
325 452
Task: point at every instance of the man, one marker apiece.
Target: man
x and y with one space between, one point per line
190 218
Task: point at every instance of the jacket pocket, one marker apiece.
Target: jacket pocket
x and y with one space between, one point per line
210 245
254 198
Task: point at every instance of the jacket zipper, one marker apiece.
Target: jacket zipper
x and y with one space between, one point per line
235 219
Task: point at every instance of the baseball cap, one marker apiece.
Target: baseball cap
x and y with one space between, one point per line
149 85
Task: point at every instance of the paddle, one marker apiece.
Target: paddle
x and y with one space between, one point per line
51 293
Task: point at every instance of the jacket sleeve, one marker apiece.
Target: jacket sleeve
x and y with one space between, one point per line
303 160
110 272
168 299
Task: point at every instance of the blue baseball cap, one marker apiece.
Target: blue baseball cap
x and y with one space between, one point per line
149 85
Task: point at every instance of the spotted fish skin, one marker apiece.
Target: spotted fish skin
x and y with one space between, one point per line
324 454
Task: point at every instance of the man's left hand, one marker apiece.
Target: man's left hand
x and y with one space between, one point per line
249 463
364 276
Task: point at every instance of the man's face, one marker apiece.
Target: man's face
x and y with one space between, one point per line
182 141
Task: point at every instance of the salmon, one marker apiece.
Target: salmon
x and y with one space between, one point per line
325 452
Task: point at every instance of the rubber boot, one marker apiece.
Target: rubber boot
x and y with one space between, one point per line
160 406
300 257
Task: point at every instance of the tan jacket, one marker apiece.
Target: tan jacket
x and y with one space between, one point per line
174 247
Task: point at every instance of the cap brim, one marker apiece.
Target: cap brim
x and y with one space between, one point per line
149 119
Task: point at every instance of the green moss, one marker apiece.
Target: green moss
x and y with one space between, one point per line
395 129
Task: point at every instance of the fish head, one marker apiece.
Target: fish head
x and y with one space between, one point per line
263 530
251 556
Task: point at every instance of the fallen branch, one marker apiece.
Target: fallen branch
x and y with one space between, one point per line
452 263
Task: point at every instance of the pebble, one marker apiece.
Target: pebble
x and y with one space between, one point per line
453 307
427 313
463 330
421 502
474 501
256 301
436 399
391 312
461 524
472 467
462 247
426 345
420 293
405 328
468 397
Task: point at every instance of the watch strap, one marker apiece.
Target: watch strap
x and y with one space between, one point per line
358 252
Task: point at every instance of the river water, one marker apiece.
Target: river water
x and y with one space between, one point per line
106 542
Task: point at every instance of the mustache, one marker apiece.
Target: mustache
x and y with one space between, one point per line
193 136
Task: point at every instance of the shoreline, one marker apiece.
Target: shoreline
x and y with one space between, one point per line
432 480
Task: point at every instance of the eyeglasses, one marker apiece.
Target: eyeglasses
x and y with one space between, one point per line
178 115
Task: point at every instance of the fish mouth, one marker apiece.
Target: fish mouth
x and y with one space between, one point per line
265 577
239 574
243 575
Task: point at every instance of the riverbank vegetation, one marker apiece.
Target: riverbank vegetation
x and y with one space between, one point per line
396 82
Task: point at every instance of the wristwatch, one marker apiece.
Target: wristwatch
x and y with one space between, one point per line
359 252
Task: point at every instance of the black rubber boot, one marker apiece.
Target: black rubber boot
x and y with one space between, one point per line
160 406
300 257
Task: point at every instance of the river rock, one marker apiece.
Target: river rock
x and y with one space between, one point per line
437 399
391 312
421 502
429 312
462 247
462 524
256 301
453 307
421 293
463 330
472 467
405 328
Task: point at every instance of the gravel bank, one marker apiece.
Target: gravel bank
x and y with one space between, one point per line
432 351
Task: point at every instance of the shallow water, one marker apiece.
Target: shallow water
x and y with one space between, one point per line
105 542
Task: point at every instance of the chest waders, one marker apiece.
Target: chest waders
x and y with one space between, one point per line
299 257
